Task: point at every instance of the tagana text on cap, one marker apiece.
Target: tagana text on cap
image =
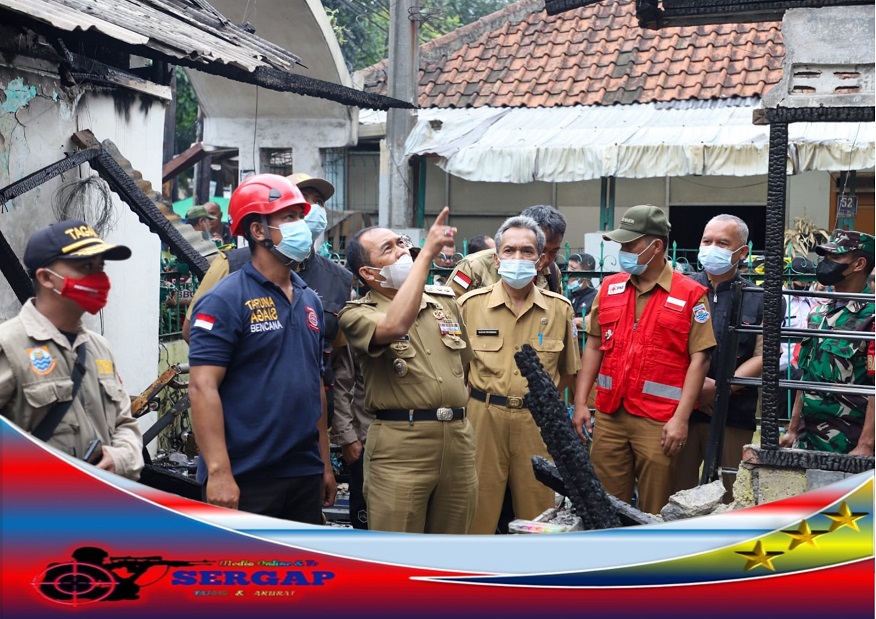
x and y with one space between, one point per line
69 240
304 180
844 241
639 221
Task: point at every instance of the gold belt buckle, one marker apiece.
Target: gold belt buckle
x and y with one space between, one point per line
444 414
515 402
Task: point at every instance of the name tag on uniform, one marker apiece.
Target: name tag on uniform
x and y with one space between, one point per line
675 304
487 332
617 288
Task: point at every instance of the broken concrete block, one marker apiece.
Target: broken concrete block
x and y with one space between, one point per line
816 478
697 501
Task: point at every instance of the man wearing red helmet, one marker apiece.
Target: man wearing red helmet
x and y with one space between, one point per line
263 437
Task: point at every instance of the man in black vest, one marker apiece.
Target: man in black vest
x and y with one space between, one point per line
723 246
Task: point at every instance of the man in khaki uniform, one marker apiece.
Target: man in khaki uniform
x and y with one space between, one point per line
500 319
479 269
647 351
41 346
412 346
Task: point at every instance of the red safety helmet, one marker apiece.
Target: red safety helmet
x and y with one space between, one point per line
263 194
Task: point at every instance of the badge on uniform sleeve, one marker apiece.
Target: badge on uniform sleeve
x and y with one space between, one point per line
462 280
204 321
41 361
400 367
312 319
701 314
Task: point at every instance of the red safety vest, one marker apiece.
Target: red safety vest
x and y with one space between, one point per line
644 363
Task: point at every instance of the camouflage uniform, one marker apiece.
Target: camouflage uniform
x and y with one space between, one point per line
833 421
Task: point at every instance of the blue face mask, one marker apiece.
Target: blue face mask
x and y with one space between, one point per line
716 260
297 241
574 285
629 261
517 273
316 220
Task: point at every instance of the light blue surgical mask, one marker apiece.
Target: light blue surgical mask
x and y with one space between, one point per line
574 285
716 260
517 273
316 220
297 241
629 261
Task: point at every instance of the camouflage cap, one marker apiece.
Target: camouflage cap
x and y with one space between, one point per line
844 241
197 212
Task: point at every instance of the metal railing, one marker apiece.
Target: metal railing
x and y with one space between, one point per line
724 378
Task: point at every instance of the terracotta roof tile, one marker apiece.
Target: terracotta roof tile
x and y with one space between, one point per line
594 55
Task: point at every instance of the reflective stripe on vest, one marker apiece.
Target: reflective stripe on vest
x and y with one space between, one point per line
604 381
662 391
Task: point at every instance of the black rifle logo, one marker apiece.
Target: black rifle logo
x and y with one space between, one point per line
94 576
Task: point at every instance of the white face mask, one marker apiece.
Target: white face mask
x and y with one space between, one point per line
396 274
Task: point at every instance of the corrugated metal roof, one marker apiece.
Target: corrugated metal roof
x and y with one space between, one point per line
193 34
178 28
522 145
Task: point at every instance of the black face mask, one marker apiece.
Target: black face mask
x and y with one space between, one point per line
829 272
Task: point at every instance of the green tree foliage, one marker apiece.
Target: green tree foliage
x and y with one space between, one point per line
186 113
362 26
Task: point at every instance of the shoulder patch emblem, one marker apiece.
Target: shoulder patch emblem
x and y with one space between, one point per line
312 319
41 361
462 280
701 314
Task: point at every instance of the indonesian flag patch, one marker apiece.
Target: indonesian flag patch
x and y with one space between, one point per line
462 280
205 321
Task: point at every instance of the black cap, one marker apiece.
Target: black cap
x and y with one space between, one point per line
68 240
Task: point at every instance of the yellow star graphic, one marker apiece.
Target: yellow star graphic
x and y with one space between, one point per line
845 518
803 535
759 557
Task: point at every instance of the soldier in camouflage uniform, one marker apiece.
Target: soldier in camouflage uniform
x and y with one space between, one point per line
838 422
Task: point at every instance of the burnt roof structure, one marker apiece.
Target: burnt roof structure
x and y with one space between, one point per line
92 40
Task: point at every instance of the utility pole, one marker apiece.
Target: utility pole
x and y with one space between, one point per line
396 180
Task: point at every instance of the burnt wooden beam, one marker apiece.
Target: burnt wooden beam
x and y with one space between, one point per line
10 265
125 186
787 115
35 179
774 266
804 459
184 161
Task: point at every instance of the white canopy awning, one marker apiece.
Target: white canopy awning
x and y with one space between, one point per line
522 145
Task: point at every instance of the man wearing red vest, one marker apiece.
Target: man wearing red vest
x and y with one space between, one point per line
647 350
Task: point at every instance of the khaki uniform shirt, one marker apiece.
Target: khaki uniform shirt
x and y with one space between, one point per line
497 332
480 267
219 269
36 362
350 422
422 370
701 335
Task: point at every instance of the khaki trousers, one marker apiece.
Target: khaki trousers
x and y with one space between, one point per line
689 461
506 440
627 456
420 477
